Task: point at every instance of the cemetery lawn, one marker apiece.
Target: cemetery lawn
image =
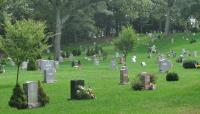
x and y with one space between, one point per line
182 97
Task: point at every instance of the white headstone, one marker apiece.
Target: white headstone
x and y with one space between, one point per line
133 59
143 64
24 65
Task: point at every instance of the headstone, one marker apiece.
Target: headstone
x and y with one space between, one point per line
165 65
71 57
146 80
124 75
143 64
56 64
24 65
150 55
61 59
113 64
75 86
184 52
49 76
195 53
31 92
122 60
46 64
173 53
172 40
133 59
2 69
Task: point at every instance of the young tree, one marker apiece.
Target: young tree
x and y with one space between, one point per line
24 40
126 40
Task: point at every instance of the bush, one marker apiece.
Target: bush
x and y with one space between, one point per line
18 99
193 41
50 57
32 65
126 41
172 77
190 64
139 82
2 70
42 97
179 60
3 61
90 52
76 52
137 85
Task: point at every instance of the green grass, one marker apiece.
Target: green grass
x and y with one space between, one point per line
182 97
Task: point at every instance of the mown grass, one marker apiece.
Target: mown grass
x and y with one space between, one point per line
182 97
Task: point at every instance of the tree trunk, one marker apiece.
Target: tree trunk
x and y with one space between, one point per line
17 80
160 25
167 22
58 36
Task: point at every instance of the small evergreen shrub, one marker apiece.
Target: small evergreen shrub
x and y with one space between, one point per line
2 70
172 77
193 41
42 97
179 60
76 52
190 64
50 57
18 99
32 65
137 85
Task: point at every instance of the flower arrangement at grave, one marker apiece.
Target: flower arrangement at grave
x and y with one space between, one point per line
85 93
140 82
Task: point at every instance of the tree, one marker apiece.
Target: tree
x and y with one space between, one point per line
64 10
126 41
24 40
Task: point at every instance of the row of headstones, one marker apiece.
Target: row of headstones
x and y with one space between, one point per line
31 91
48 67
31 87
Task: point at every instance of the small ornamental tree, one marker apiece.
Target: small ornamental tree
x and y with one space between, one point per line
24 40
126 40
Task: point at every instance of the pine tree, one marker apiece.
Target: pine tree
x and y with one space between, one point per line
18 99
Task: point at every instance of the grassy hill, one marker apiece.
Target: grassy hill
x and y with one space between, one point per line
182 97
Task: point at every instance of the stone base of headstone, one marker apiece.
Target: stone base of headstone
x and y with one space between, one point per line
31 92
124 75
74 87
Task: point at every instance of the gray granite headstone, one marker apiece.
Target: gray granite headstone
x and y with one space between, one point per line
31 92
47 64
49 75
165 65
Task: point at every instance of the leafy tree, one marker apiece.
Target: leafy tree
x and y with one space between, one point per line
24 40
126 41
64 10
